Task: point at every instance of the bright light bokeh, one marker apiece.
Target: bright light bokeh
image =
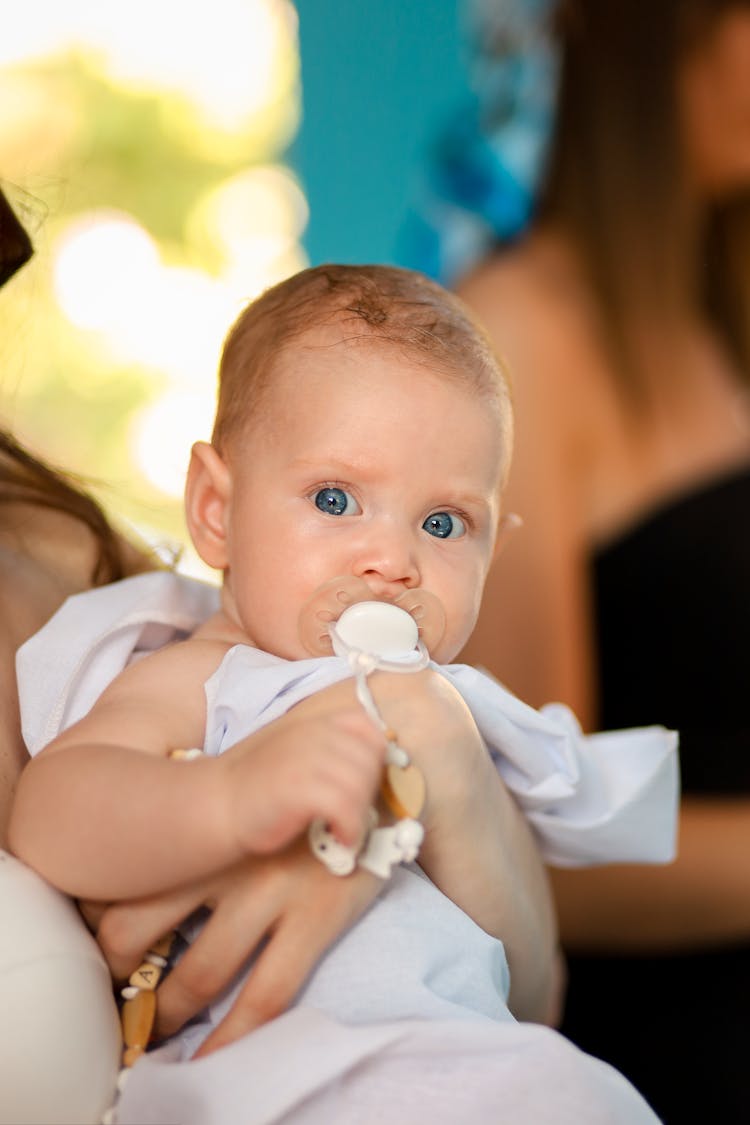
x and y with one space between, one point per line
255 220
169 318
146 140
229 59
163 433
98 259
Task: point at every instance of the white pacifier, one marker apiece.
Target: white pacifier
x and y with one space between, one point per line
379 630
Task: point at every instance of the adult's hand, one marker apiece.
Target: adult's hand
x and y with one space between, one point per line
289 898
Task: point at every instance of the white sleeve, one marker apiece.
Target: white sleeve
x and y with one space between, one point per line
602 798
64 667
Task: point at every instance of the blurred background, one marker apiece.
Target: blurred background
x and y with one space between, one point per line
170 162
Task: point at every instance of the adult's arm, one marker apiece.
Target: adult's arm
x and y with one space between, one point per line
288 907
701 899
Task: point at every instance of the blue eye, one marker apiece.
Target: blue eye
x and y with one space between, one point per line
336 502
444 526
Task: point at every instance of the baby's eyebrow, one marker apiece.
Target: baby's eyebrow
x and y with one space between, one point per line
479 507
331 466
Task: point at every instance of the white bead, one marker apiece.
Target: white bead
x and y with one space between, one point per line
338 858
388 846
378 628
122 1078
395 755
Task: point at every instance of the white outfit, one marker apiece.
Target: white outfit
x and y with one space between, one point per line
405 1019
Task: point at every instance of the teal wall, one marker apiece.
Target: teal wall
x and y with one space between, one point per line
378 76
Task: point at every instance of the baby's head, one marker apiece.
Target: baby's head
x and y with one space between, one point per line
363 430
375 305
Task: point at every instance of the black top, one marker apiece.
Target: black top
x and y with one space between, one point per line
672 603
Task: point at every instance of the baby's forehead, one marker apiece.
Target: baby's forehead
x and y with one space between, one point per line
346 338
345 346
309 371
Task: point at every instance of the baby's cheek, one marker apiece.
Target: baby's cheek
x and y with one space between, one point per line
457 634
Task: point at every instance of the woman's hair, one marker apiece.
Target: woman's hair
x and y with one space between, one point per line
386 304
25 479
616 178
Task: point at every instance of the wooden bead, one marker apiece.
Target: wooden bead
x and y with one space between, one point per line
131 1055
403 790
137 1017
163 947
146 976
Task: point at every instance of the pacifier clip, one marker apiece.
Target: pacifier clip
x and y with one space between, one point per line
373 636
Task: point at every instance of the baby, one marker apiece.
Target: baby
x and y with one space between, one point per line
360 447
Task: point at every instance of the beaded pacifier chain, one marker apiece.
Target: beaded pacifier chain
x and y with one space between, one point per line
370 636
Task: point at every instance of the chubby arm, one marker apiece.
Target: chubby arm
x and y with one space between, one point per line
478 847
103 813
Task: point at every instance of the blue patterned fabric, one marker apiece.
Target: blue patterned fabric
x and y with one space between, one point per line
482 183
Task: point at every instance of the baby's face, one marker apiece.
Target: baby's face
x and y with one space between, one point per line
362 463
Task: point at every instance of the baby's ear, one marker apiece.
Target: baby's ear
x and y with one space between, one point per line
508 523
208 489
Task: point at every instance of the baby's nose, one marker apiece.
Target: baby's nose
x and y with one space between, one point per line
388 563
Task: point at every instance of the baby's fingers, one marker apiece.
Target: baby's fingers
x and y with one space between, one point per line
325 768
350 776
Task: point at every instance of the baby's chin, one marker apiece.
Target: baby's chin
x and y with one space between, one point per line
326 605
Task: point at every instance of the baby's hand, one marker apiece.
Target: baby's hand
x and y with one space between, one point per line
301 768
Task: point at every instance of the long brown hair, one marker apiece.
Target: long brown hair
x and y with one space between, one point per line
27 479
616 181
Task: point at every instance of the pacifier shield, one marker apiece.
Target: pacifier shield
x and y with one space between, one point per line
379 629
